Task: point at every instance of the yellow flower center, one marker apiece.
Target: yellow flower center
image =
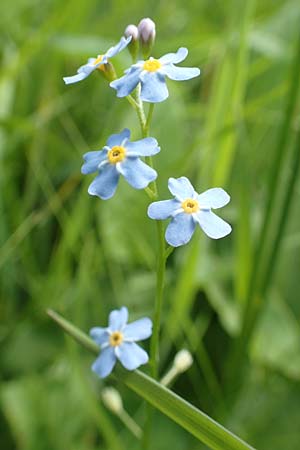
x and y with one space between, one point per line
97 61
116 338
190 205
116 154
152 65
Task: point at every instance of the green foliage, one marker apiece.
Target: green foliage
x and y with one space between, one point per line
63 249
183 413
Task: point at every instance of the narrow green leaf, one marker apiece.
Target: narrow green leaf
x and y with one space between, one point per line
273 226
187 416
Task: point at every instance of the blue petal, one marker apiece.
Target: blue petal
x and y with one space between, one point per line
174 58
131 355
213 198
119 47
105 184
154 88
101 154
99 335
181 188
138 330
136 172
89 68
127 83
118 319
180 73
118 139
163 209
144 147
212 225
83 72
75 78
92 161
104 364
180 229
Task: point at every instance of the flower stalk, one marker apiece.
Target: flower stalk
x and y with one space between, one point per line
145 124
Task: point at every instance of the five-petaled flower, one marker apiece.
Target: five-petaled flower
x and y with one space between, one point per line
120 157
117 341
152 73
189 208
98 63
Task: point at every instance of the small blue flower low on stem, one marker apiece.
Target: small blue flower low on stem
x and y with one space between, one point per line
187 209
120 157
117 342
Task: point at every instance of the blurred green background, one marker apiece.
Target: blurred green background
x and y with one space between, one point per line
234 303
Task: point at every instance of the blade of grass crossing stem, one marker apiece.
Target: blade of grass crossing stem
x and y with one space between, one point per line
187 416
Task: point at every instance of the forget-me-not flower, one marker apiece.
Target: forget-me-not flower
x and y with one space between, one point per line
117 341
120 157
189 208
152 76
98 63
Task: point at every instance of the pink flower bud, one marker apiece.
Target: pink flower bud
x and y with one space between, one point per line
146 29
132 30
133 47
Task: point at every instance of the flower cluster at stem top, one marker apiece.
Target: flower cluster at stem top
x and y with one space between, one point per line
151 73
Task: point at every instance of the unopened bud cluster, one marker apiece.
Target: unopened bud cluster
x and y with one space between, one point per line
143 37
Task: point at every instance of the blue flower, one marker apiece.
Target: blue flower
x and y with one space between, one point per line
97 63
117 341
188 209
120 157
152 73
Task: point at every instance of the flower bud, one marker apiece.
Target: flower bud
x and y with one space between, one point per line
183 360
109 71
146 30
132 30
133 46
112 400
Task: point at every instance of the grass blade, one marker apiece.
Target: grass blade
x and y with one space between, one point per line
187 416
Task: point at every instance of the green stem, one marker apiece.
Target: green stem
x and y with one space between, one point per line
132 101
149 161
140 112
130 424
149 118
169 251
152 191
160 274
161 258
